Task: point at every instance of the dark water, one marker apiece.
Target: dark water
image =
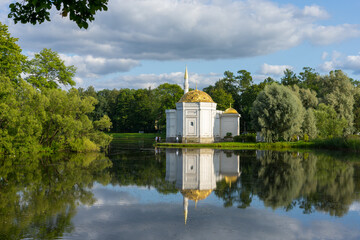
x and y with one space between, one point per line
138 192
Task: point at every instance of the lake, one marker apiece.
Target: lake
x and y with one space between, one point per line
138 192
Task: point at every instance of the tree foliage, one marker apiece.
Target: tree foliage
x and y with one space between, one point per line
52 119
338 92
328 123
289 78
309 124
11 59
81 12
277 112
48 70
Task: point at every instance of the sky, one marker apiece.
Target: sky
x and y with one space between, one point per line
145 43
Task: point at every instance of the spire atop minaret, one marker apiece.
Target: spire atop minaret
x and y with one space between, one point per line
185 203
186 81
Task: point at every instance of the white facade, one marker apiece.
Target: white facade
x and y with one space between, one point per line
196 171
196 120
199 122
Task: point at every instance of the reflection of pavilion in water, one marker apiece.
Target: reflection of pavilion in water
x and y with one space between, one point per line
196 171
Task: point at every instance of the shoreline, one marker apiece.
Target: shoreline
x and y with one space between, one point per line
333 144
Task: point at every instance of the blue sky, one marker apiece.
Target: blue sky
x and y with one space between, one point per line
142 43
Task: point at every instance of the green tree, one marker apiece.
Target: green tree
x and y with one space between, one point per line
309 124
11 59
244 79
277 112
328 123
310 79
221 97
166 96
289 78
338 92
81 12
357 109
307 96
48 70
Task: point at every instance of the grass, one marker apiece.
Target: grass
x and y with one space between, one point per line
344 144
240 145
137 135
350 143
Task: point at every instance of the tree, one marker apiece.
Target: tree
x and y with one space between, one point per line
166 96
357 110
289 78
309 79
48 70
221 97
245 79
307 96
29 11
338 91
11 59
309 124
277 112
328 123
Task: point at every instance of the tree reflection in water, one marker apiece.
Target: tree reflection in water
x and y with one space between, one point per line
283 179
39 195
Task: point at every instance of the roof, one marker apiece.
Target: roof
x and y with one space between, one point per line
196 96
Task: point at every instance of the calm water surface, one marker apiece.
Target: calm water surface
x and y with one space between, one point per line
138 192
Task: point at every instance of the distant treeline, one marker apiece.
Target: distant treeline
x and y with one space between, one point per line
307 105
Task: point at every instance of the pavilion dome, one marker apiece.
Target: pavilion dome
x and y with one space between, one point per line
196 96
196 195
230 111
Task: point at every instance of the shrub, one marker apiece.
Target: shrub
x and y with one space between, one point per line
249 137
306 137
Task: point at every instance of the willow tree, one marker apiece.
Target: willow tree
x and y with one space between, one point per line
338 92
277 112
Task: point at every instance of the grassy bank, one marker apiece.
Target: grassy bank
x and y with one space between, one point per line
330 144
239 145
137 135
351 143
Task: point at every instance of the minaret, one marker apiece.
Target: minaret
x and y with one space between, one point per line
186 81
185 204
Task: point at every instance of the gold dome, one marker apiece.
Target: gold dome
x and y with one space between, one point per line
230 111
196 96
195 195
230 179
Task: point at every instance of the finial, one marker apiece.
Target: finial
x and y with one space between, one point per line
185 215
186 80
230 105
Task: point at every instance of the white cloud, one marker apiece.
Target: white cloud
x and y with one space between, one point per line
315 11
169 29
339 61
355 207
154 80
89 66
275 70
324 55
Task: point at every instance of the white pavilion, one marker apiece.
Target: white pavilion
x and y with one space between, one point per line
196 119
196 171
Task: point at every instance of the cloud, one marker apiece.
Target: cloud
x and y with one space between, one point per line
89 66
166 221
339 61
275 70
315 11
182 29
154 80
